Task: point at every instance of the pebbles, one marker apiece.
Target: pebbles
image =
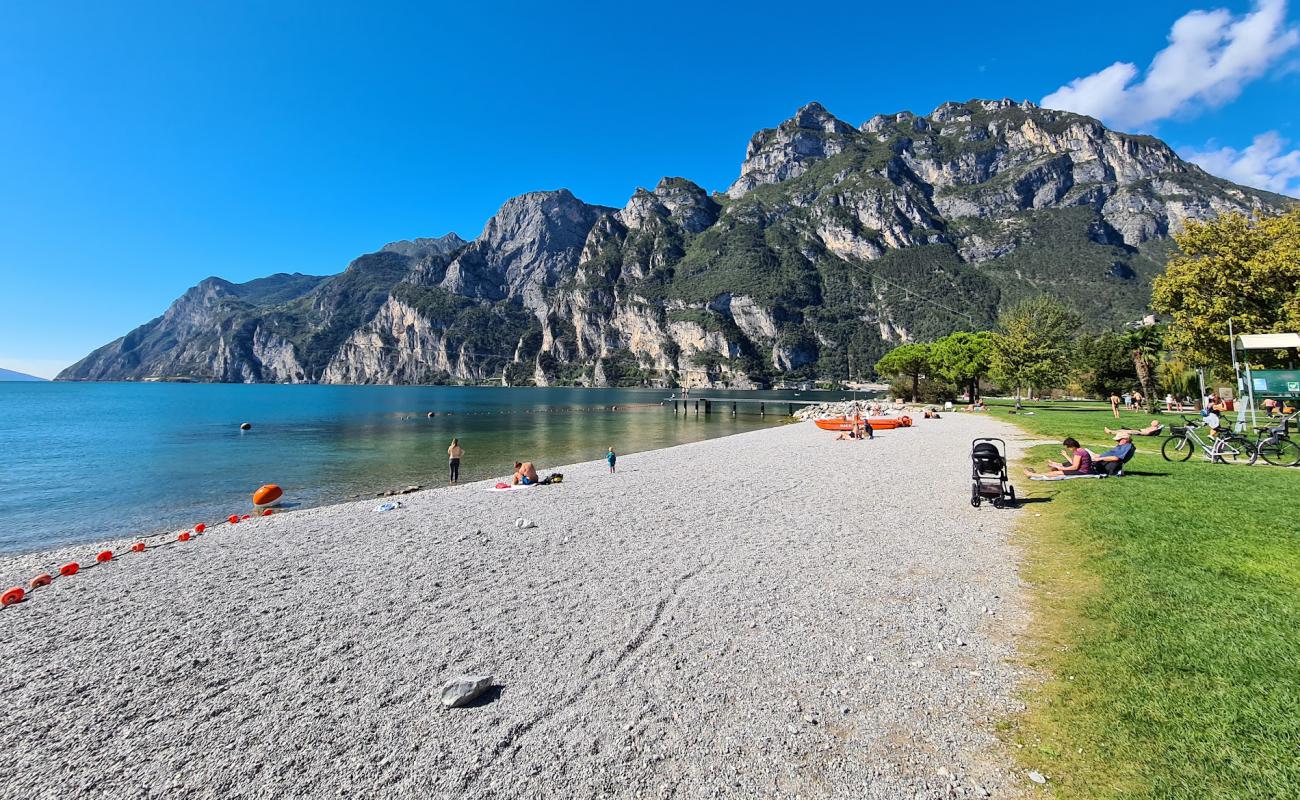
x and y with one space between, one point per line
729 622
461 691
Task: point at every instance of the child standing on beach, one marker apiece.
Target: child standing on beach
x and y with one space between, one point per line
611 457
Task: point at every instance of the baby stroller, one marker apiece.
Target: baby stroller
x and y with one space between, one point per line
988 474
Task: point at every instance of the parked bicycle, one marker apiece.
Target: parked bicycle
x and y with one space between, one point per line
1223 446
1274 444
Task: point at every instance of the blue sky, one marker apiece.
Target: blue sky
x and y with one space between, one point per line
145 146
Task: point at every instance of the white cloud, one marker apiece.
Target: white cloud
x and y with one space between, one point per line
1211 55
1265 164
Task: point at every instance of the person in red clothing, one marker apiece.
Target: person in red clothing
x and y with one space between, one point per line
1078 461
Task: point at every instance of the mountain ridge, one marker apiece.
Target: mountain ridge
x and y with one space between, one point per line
834 242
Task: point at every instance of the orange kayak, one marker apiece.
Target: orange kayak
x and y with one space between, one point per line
877 423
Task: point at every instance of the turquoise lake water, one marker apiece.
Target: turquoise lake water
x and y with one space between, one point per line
89 461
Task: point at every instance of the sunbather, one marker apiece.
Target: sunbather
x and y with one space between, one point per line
1078 461
1153 429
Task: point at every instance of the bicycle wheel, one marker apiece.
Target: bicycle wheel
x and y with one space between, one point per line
1280 452
1233 450
1176 448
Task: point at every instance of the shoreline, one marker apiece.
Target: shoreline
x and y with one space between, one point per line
769 611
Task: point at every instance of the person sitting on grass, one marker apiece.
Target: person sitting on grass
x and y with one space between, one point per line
1078 461
1112 461
1153 429
525 473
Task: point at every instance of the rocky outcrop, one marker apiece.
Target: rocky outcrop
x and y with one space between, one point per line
833 244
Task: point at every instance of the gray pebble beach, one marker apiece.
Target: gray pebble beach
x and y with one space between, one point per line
771 614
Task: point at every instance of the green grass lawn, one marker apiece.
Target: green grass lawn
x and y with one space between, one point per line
1167 622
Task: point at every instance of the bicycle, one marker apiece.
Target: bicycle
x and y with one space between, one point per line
1224 446
1275 446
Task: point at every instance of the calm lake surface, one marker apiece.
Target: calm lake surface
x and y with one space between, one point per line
89 461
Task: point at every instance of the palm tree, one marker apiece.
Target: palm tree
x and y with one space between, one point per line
1144 345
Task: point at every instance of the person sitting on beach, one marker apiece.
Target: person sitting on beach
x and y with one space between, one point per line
1153 429
525 473
1078 461
1112 461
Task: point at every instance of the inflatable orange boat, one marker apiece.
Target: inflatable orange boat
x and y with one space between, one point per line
877 423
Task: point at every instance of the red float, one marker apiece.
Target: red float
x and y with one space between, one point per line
200 528
246 516
44 579
266 512
69 568
184 537
104 555
138 547
11 596
232 519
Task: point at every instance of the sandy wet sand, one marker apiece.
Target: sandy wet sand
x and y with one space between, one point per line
770 614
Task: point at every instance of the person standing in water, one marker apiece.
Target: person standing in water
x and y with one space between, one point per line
611 457
454 454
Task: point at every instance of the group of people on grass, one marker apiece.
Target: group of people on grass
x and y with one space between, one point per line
1079 460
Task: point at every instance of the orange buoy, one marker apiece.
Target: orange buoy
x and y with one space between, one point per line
184 537
138 547
267 495
200 528
44 579
104 555
246 516
69 568
232 519
11 596
905 422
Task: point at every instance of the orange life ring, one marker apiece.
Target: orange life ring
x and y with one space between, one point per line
44 579
69 568
267 495
11 596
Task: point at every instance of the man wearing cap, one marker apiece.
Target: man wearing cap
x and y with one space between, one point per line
1113 460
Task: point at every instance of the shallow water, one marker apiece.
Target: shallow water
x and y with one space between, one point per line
89 461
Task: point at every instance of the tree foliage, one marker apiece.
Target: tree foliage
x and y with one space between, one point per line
1230 268
963 358
1033 344
907 360
1105 363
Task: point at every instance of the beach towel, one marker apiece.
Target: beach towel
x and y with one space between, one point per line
1061 477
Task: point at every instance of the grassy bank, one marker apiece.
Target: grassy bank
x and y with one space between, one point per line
1168 622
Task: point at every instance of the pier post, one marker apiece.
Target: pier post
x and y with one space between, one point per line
792 409
697 408
733 408
708 408
762 409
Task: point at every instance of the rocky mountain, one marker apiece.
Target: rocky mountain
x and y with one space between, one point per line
11 375
835 243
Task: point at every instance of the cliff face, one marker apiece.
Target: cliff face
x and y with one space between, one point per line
834 243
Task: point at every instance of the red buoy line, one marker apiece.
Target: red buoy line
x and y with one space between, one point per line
18 594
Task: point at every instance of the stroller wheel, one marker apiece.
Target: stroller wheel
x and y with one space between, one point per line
997 502
975 501
1011 495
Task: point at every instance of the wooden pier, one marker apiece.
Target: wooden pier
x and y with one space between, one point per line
709 402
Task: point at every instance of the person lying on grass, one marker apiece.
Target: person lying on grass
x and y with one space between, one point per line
1151 430
1078 461
1112 461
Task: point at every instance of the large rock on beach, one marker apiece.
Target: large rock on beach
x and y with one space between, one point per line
465 689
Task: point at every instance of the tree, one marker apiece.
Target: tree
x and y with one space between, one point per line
1032 345
1107 364
963 358
911 360
1230 268
1144 348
